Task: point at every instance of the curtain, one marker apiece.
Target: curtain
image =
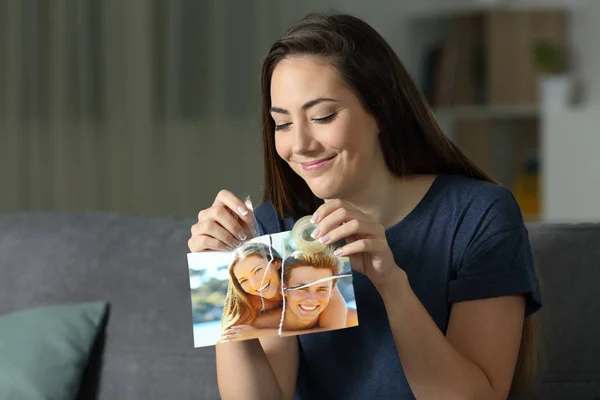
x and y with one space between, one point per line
140 106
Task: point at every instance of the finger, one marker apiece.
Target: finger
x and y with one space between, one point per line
231 201
211 228
228 335
200 243
243 211
325 209
351 228
230 222
334 220
251 219
361 246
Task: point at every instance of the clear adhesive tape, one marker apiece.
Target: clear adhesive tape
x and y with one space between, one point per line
301 236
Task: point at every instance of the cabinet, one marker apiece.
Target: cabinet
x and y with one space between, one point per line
479 66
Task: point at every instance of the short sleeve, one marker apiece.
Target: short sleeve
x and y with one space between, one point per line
497 261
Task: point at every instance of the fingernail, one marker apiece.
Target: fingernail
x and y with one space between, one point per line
235 243
314 218
315 233
324 239
337 252
249 205
242 236
242 210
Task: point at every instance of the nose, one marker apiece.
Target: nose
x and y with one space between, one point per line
303 138
309 296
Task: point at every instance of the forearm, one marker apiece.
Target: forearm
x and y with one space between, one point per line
433 367
244 372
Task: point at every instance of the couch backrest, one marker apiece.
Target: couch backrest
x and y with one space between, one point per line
567 258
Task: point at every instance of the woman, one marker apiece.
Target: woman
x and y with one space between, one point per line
445 284
254 297
253 284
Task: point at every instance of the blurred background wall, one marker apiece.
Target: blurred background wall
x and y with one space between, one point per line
150 107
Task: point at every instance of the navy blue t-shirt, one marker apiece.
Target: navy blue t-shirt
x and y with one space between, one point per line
465 240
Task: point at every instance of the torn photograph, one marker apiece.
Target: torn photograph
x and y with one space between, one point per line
281 284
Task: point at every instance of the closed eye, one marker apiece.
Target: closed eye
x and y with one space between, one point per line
323 120
326 119
282 126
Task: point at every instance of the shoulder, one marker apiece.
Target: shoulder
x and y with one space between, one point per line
492 253
480 205
480 212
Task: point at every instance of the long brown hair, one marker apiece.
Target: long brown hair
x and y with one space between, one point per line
411 140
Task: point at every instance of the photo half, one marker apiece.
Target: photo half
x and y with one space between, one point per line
273 285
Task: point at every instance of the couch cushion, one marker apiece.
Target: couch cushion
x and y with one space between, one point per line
44 350
137 264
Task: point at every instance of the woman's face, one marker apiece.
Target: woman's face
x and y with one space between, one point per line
250 274
321 129
308 303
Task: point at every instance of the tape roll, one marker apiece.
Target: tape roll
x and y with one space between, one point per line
301 236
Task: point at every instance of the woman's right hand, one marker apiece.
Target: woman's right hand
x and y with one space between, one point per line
224 225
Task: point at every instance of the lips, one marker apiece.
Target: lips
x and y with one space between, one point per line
307 308
314 165
264 287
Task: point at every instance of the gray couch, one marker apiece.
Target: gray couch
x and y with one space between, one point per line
140 266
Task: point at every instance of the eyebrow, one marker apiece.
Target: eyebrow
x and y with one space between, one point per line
297 287
306 106
254 269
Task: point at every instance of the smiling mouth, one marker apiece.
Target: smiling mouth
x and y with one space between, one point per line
313 165
307 308
264 287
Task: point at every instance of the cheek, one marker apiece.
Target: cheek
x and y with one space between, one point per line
324 297
346 137
245 286
359 134
282 146
293 297
273 274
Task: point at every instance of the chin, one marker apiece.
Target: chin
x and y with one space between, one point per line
325 190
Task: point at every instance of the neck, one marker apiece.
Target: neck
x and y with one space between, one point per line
388 198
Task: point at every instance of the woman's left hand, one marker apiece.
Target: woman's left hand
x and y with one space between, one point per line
366 243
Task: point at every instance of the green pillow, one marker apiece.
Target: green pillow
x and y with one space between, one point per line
44 351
